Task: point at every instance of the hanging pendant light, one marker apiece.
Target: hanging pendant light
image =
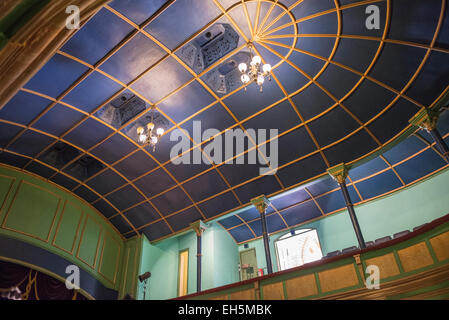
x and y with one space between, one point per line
256 72
148 134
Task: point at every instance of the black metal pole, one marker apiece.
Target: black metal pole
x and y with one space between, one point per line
355 222
266 243
198 263
440 143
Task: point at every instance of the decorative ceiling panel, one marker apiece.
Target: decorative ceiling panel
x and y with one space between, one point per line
338 92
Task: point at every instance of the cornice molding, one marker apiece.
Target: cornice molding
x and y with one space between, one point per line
6 6
261 203
198 226
36 42
339 172
425 119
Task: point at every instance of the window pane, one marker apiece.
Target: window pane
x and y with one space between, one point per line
294 251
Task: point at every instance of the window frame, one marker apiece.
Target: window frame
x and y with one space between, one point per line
297 232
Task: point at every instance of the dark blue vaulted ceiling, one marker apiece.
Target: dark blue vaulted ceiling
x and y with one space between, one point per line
339 92
409 162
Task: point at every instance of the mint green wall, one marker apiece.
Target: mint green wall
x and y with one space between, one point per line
226 258
219 262
399 211
162 261
47 216
410 207
416 205
335 232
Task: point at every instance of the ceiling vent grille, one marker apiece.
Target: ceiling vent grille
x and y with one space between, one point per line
121 109
210 46
84 167
59 155
226 77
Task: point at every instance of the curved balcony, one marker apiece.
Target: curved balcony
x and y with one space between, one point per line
411 266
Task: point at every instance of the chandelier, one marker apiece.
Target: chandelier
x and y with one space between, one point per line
256 72
150 133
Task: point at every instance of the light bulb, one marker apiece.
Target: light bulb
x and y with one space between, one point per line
256 60
266 68
244 78
150 126
260 79
154 139
140 130
142 138
243 67
160 131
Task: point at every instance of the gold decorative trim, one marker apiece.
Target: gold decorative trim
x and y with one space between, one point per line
396 287
81 241
34 44
266 32
6 6
66 192
425 119
261 203
76 232
339 172
46 240
117 259
125 273
199 227
8 193
137 253
440 245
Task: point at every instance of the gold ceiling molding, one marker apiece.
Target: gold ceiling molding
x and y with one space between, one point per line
339 172
33 45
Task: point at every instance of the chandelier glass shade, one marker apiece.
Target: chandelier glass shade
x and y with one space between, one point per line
150 134
255 72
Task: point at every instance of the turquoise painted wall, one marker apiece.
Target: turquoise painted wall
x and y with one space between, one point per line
226 258
162 261
219 262
410 207
416 205
399 211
